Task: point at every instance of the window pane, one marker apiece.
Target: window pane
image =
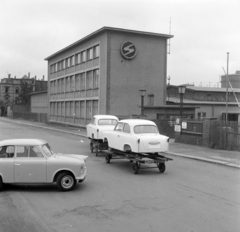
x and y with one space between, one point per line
96 51
95 78
22 151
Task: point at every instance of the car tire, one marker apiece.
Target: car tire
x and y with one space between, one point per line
1 183
66 181
161 167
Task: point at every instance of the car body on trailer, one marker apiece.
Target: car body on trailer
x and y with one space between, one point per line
99 124
136 136
32 161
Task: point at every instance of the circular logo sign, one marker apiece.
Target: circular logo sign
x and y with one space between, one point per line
128 50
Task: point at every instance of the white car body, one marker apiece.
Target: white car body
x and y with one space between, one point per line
138 136
99 124
31 161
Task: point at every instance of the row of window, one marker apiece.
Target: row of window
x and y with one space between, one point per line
82 81
76 59
8 87
74 109
21 151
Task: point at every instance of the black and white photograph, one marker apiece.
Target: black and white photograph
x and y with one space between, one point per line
119 115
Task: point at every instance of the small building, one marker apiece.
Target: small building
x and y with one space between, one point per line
103 72
210 102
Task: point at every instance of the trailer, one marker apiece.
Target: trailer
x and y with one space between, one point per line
97 146
138 159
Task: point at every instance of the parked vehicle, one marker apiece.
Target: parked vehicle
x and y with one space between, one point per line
31 161
136 135
100 123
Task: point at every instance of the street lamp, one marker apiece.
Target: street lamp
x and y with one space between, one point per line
181 91
142 93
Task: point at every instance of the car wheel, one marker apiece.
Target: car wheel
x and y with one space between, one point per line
161 167
1 183
65 181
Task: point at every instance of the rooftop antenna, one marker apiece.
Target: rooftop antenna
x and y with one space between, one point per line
169 34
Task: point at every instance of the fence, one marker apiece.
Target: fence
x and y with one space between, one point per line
211 133
37 117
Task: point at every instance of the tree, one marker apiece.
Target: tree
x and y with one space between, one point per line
25 90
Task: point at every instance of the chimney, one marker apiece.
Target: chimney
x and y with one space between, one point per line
35 77
43 77
29 75
9 75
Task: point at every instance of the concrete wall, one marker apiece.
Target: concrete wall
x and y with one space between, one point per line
39 103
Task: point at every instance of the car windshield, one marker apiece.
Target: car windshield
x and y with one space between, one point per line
107 122
143 129
47 150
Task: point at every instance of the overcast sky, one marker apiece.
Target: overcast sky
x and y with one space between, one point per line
204 31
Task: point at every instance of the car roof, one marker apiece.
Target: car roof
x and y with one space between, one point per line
135 122
103 116
28 142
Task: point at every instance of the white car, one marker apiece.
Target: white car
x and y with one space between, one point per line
31 161
100 123
138 136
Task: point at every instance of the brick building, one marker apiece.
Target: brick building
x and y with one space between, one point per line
103 73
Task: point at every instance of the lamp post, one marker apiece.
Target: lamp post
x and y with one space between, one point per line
142 93
181 91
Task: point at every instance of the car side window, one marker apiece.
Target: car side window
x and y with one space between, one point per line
35 152
126 128
7 151
119 127
22 151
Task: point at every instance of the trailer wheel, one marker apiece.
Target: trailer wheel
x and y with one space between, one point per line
1 183
135 168
161 167
107 159
91 147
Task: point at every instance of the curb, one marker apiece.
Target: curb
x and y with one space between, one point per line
208 160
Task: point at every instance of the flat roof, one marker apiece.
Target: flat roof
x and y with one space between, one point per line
189 101
109 29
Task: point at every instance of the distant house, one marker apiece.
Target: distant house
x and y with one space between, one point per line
210 102
10 87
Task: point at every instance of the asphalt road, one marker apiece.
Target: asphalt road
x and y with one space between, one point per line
190 195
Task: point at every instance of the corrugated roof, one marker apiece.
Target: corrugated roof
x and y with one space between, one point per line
109 29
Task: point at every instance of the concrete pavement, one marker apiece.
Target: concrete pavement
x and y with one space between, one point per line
222 157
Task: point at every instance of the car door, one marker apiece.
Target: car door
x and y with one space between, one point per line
30 166
6 163
115 136
126 137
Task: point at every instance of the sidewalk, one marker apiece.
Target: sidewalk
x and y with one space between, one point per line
222 157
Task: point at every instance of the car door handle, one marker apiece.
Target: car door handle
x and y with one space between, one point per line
18 164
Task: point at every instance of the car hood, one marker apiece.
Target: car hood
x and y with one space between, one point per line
75 156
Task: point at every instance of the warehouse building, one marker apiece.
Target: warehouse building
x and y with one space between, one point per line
103 73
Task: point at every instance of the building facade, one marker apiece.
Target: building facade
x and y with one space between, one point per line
209 102
10 87
103 73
